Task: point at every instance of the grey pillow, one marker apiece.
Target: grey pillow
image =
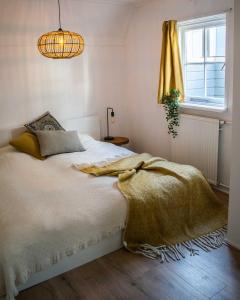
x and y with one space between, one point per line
56 142
44 122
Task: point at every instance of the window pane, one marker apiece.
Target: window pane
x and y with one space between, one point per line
215 80
194 81
194 45
216 41
203 56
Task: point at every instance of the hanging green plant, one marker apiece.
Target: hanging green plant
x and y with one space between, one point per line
171 106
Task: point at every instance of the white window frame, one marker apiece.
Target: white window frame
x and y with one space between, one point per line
209 22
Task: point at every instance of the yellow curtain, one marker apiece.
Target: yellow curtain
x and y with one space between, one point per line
171 68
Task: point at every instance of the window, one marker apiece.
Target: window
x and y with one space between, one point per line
203 44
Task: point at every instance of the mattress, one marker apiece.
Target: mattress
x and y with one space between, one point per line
50 210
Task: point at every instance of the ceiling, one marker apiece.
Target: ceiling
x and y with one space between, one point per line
120 2
100 21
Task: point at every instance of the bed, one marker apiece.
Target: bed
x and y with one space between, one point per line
54 218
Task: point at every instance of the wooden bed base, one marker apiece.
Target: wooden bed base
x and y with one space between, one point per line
82 257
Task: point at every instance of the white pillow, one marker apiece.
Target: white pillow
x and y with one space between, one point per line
58 141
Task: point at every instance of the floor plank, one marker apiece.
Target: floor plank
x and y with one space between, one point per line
125 276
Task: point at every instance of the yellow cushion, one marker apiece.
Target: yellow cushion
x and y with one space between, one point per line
27 143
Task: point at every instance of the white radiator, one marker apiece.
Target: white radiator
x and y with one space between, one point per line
197 145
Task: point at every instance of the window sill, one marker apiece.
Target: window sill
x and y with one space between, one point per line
203 107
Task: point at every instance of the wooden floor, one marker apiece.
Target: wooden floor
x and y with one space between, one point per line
123 275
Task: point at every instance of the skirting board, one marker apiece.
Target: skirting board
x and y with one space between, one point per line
222 188
234 245
84 256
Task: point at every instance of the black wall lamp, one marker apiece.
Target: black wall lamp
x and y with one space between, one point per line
108 137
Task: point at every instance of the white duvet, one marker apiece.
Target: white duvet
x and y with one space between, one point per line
49 210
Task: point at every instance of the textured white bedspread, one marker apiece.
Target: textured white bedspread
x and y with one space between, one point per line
49 210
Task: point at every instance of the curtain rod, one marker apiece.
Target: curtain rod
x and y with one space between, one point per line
207 15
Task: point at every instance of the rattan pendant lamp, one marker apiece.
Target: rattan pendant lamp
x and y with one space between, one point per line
62 43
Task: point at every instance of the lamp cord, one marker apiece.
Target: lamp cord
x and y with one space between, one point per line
59 14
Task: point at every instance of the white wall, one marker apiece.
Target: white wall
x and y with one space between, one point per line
119 67
114 70
234 208
30 84
147 125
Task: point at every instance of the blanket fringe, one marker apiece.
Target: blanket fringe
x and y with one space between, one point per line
167 253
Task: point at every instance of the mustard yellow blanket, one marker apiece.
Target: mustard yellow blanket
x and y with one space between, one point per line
171 206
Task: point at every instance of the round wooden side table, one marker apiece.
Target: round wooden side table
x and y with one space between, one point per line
119 141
